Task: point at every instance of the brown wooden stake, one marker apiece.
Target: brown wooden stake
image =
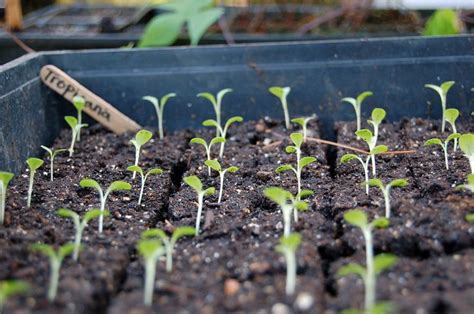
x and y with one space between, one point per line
13 15
96 107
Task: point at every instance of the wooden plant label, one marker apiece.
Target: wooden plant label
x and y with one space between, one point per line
96 107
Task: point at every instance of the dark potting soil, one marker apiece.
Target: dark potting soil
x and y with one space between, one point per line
232 264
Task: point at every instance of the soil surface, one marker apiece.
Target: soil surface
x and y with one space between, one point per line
232 265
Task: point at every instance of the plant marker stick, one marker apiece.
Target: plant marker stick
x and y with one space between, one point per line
96 107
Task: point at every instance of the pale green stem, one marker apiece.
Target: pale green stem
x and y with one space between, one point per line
298 179
287 209
159 113
304 132
150 272
217 110
52 168
103 199
77 241
285 111
445 151
221 188
169 255
443 106
365 165
198 218
455 140
30 187
374 170
137 156
471 163
141 189
221 152
208 152
79 122
73 141
386 195
369 279
55 265
3 197
290 272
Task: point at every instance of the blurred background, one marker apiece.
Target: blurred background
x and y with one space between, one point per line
37 25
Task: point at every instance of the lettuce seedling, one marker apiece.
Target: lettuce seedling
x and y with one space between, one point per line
442 91
75 128
33 165
10 288
367 136
466 143
216 103
141 138
288 203
56 258
144 177
52 154
297 140
374 266
287 247
169 242
282 93
159 108
357 104
444 146
451 116
79 225
79 103
469 185
214 164
365 166
201 141
5 178
196 185
150 250
303 122
223 131
397 183
114 186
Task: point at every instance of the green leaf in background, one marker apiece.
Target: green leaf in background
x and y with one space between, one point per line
443 22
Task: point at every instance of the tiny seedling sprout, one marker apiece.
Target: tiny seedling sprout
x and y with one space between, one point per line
201 141
357 104
297 140
143 177
5 178
287 247
52 154
169 242
282 94
56 258
397 183
150 250
159 108
303 122
444 145
469 185
141 138
451 116
214 164
33 165
223 131
196 185
216 103
114 186
75 128
374 266
9 288
466 143
79 103
442 91
367 136
288 203
79 225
